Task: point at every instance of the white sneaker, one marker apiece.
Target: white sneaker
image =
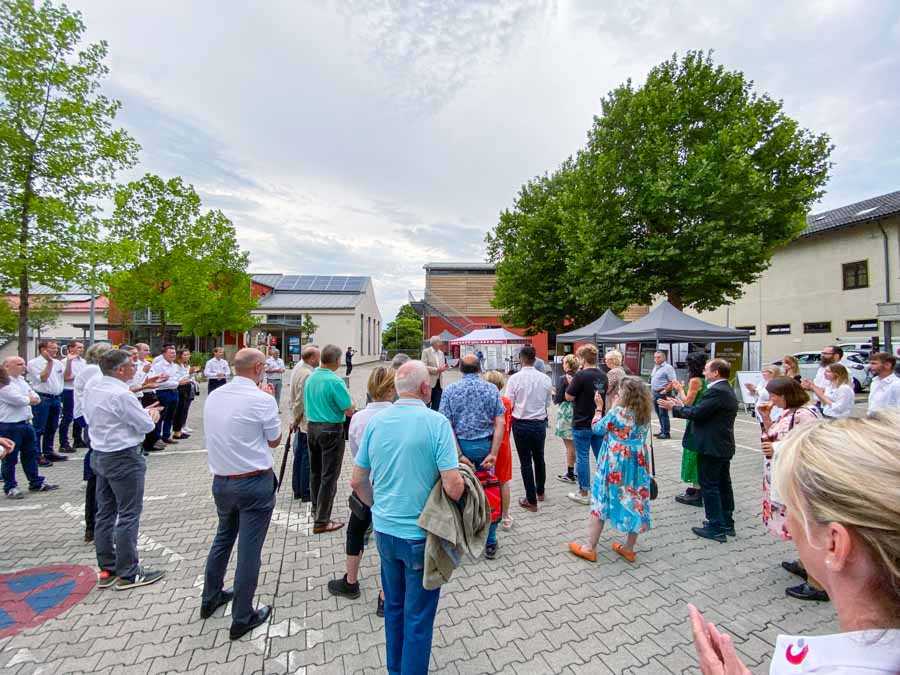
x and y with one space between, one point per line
187 430
580 498
15 493
506 523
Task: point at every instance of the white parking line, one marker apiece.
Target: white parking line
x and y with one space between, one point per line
24 507
158 498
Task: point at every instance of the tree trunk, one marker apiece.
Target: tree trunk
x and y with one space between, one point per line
674 297
24 287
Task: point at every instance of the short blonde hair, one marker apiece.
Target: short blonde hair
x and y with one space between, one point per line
381 384
570 362
588 353
495 377
773 370
614 356
847 471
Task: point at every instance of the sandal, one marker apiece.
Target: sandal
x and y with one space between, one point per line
583 552
630 556
331 526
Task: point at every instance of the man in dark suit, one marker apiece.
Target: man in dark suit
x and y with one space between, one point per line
713 431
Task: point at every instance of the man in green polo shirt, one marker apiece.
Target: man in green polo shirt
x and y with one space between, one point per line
328 403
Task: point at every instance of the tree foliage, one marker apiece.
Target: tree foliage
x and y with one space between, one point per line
8 319
188 265
59 152
404 333
308 327
686 187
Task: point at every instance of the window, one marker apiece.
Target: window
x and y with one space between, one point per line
817 327
856 275
778 329
862 325
752 329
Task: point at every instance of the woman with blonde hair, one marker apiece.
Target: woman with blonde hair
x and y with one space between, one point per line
837 395
564 416
762 394
503 465
620 491
613 361
382 393
791 367
841 482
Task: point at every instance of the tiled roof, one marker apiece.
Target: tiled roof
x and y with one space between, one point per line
266 279
860 212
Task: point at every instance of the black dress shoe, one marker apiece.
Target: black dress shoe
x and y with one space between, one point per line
662 437
690 499
795 567
729 530
68 449
79 444
43 461
207 610
806 592
258 618
55 457
707 533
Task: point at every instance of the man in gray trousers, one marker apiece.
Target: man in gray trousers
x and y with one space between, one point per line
242 426
118 425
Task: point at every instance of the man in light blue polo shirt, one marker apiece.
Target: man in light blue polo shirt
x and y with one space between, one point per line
661 380
404 451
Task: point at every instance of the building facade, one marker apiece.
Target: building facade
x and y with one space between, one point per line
457 300
344 309
826 286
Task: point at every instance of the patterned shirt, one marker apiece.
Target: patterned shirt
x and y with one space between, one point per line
471 405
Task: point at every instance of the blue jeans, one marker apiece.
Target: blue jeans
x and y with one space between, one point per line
661 413
45 421
244 506
584 440
168 399
475 450
22 434
300 470
409 609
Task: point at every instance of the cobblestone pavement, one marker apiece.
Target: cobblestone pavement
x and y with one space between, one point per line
535 609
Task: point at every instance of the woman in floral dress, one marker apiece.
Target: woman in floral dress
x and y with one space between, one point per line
620 491
787 394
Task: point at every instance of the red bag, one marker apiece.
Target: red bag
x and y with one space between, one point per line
491 487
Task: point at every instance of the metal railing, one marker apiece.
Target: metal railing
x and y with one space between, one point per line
436 305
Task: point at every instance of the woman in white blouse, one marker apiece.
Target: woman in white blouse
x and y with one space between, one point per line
844 519
837 395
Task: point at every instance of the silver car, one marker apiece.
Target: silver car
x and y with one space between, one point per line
855 363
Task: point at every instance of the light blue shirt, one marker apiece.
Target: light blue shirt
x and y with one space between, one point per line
661 376
405 448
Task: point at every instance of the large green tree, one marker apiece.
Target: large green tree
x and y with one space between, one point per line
188 265
404 333
686 187
59 152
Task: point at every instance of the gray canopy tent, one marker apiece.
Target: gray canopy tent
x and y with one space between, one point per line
608 321
666 324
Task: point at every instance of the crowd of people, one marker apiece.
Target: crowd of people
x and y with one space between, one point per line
432 470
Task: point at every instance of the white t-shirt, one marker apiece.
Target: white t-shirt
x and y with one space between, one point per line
842 399
873 652
359 421
239 419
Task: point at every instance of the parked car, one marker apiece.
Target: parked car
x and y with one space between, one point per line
865 348
855 362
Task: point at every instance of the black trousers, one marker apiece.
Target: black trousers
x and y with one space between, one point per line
185 397
529 436
212 385
436 393
148 398
715 485
326 455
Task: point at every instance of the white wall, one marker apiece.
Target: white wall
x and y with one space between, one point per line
804 284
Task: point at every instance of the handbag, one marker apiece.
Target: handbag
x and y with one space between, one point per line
358 508
654 488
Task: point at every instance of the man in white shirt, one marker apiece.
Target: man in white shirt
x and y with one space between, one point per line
147 395
242 426
16 399
165 368
530 393
216 370
274 372
884 391
74 365
45 373
117 424
309 361
436 362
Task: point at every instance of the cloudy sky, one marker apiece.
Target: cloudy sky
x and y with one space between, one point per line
373 136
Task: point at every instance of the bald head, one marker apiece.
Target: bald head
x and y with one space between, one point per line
310 355
249 362
469 364
14 365
411 381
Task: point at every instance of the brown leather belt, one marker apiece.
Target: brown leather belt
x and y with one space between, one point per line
249 474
